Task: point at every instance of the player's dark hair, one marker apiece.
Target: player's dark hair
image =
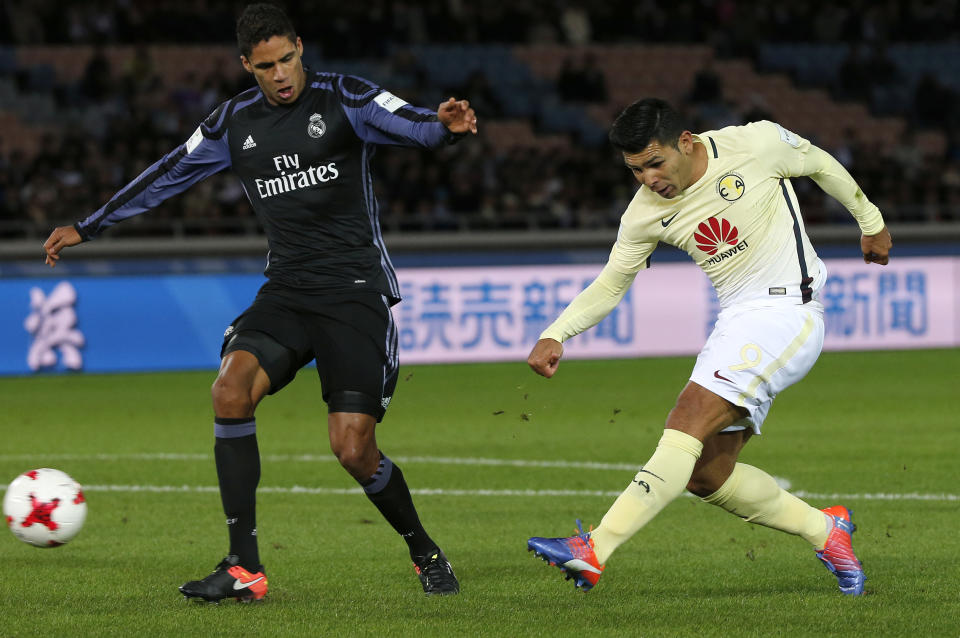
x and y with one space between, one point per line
260 22
643 122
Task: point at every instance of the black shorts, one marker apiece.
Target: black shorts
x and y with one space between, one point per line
351 335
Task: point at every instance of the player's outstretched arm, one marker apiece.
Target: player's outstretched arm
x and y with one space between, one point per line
587 309
60 238
876 248
457 116
544 359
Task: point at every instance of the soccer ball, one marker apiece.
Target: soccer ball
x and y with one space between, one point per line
44 507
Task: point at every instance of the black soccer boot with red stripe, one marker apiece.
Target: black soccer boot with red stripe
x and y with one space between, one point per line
228 580
436 574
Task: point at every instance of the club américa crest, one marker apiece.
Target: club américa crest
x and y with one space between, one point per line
317 127
731 186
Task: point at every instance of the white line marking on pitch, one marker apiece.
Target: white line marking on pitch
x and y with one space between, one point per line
325 458
325 491
315 458
436 460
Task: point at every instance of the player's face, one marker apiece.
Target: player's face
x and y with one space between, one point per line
664 169
277 66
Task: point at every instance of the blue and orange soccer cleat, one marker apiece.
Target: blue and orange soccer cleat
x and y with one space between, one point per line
228 580
573 555
838 554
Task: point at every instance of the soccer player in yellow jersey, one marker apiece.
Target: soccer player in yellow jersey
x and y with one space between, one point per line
724 197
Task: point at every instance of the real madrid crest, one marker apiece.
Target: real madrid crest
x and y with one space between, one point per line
317 127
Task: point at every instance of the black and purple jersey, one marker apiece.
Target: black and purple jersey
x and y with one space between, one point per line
305 168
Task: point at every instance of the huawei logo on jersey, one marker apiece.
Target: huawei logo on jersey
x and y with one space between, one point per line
713 232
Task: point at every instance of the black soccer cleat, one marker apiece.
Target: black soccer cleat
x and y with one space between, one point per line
228 580
436 574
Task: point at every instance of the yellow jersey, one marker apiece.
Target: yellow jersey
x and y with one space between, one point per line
740 222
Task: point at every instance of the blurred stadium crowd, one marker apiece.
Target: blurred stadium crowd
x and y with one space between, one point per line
94 92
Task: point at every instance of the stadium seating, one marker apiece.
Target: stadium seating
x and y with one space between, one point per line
819 64
41 89
525 77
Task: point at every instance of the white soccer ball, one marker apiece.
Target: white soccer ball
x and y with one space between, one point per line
44 507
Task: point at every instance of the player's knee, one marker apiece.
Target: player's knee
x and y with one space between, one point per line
689 409
356 457
681 413
704 484
701 413
352 460
701 488
353 442
231 399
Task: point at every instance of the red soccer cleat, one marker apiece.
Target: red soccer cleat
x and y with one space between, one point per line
838 554
573 555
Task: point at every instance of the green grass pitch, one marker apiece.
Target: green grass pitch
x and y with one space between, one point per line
880 429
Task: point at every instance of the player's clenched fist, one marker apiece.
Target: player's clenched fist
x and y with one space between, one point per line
545 357
876 248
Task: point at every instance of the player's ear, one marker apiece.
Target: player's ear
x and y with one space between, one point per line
246 64
299 47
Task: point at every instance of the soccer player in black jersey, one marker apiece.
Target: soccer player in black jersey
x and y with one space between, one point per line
301 142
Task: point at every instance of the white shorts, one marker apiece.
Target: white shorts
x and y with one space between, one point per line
756 351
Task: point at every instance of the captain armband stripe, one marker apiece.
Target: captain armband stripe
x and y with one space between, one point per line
357 86
416 117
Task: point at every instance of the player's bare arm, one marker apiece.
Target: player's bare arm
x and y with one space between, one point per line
457 116
544 359
876 248
60 238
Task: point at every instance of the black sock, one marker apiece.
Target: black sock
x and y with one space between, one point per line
389 492
238 471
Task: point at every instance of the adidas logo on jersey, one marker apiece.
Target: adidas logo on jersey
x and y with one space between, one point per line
249 143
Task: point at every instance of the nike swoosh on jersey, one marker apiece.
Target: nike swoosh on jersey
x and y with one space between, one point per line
239 584
717 374
581 566
666 222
